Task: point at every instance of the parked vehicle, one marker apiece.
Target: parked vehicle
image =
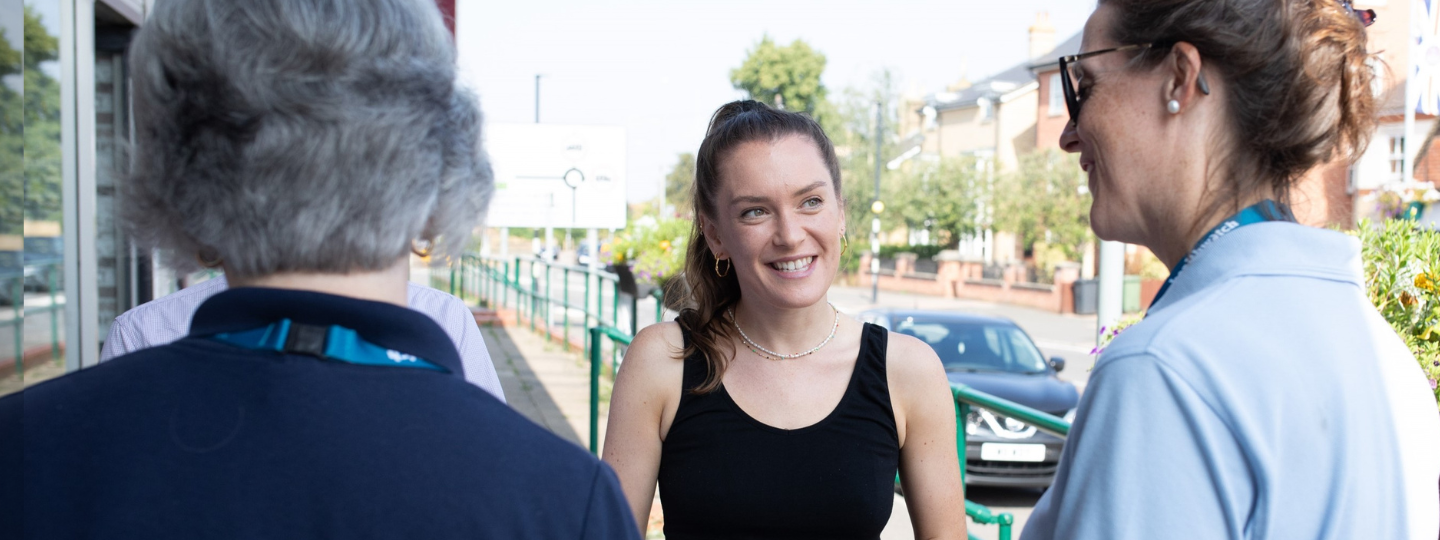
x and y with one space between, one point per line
995 356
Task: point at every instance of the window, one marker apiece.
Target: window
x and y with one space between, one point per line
987 109
1397 156
1057 96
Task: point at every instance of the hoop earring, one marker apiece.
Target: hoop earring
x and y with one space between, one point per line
844 243
728 266
422 247
212 263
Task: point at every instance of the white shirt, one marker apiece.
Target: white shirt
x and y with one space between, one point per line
167 319
1262 397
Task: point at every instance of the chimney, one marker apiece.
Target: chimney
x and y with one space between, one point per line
1042 35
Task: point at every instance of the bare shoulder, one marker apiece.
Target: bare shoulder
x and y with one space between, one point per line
657 343
910 362
655 358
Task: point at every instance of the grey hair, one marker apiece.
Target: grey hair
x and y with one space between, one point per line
315 136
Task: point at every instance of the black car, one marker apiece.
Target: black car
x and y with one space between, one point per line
995 356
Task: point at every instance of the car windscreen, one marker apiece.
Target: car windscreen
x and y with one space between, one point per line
977 347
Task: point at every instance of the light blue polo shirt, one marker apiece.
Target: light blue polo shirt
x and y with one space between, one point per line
1262 397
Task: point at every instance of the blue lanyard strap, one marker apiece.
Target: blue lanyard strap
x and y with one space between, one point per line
326 342
1266 210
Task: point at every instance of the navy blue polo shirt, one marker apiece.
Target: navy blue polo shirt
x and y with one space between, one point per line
204 439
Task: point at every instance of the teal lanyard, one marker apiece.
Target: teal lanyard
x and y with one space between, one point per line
1266 210
327 342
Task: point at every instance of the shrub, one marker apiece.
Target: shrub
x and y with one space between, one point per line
654 249
1402 273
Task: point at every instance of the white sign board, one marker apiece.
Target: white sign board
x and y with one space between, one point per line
557 176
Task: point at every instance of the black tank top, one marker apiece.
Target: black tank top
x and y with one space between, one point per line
724 474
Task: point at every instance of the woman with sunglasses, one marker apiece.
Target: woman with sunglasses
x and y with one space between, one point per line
1262 396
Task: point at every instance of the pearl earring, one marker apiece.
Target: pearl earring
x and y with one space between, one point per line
1173 106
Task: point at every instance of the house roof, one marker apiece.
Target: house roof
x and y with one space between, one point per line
994 88
1051 60
1000 86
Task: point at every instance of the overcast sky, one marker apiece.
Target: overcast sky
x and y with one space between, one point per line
661 67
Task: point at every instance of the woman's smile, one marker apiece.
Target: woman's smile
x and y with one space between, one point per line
794 268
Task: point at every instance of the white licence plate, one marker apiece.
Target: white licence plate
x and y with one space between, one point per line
1012 452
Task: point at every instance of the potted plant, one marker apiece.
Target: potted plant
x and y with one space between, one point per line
651 253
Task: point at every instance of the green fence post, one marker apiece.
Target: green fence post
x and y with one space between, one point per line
615 319
54 315
18 300
585 311
659 295
565 307
452 280
1006 520
534 296
962 412
594 390
549 304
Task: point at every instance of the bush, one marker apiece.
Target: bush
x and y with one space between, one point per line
1402 273
921 252
654 249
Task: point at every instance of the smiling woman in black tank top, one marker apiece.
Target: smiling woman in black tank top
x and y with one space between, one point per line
762 412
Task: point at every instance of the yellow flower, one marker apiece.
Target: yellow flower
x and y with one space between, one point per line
1423 281
665 245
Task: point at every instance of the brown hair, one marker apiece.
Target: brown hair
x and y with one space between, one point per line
1298 80
709 330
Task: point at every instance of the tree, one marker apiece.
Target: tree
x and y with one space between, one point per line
944 196
791 73
42 123
12 142
679 183
1045 194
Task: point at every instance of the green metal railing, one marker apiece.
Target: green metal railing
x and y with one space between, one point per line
965 398
542 294
14 283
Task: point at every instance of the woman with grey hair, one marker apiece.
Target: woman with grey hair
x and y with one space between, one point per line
310 145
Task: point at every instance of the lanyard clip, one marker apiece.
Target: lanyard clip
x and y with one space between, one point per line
307 339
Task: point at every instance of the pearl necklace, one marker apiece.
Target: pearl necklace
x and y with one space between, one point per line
772 355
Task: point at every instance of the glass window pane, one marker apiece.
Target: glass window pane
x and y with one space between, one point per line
35 311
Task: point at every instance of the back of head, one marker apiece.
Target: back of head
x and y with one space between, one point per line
318 136
1297 74
712 294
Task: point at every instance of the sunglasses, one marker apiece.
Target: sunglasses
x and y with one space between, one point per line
1070 73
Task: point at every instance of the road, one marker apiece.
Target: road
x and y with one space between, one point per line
1067 336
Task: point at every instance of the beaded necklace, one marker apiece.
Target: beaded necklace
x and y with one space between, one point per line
772 355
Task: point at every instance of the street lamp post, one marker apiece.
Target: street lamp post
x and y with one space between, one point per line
876 207
537 97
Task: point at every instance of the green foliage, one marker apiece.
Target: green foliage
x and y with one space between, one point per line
1402 272
654 249
12 144
921 251
851 127
944 197
791 72
1045 195
41 131
680 183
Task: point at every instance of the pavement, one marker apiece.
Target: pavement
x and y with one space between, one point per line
550 385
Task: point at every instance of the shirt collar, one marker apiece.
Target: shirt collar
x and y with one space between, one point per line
1272 248
386 325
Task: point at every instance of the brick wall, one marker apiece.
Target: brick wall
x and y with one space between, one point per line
963 279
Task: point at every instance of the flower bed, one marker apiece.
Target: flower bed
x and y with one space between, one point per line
1402 269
